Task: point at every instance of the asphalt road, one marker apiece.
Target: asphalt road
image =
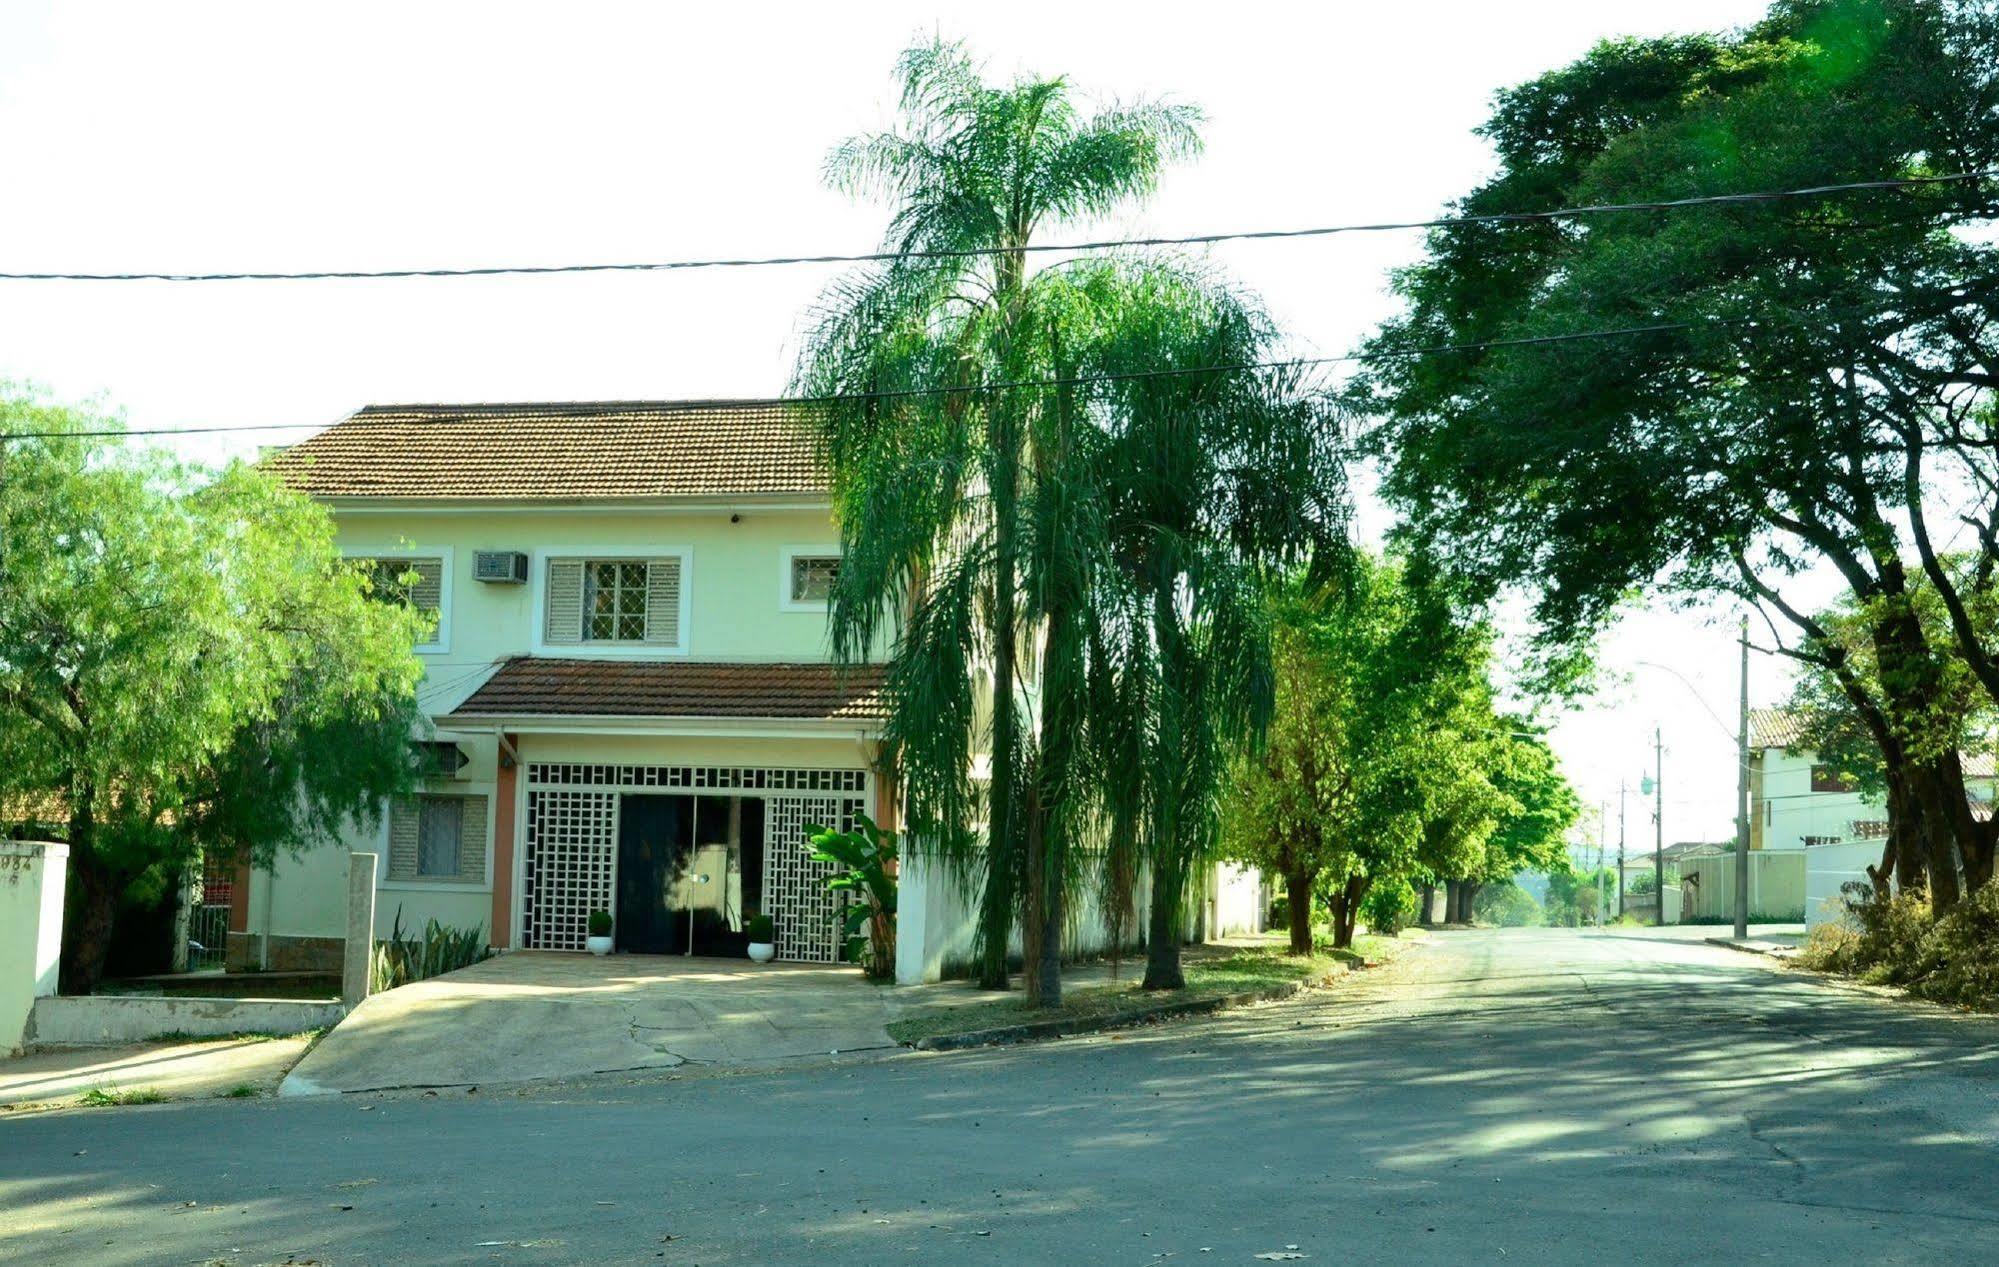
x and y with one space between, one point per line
1514 1096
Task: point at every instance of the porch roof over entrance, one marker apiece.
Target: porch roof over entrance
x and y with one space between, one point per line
535 686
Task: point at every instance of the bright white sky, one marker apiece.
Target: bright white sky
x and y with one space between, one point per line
245 137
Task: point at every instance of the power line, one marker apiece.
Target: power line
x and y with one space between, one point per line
1235 367
1100 244
1080 380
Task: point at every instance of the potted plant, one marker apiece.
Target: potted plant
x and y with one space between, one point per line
599 941
763 937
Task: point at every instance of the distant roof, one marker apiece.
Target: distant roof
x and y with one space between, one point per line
1781 728
530 686
579 450
1774 728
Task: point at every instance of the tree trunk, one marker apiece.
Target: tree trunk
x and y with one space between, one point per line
1050 960
1426 905
1453 901
1162 941
1467 897
92 912
996 908
1937 826
1298 898
1346 909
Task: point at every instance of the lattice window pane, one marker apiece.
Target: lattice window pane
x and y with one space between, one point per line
616 601
812 577
409 582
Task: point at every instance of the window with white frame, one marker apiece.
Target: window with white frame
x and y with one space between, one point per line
438 838
812 577
628 602
409 581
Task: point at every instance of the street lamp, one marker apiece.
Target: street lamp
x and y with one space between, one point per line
1741 738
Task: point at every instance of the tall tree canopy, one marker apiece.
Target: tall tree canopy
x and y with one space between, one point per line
1803 383
185 664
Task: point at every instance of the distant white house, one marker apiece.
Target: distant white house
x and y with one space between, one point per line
1798 802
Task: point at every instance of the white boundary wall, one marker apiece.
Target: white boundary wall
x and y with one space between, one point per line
1827 867
32 876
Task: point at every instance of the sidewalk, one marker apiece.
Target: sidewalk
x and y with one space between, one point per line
197 1070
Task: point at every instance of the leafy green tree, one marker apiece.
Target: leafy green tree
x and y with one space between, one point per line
186 664
949 486
1507 905
1573 895
1538 807
1805 382
1336 797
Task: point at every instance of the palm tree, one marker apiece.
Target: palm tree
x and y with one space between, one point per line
1214 479
953 490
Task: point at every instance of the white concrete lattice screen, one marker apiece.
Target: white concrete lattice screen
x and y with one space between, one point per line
794 889
569 866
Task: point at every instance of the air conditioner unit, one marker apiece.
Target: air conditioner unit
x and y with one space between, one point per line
500 567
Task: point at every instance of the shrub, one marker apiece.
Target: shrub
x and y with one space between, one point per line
1896 942
1390 905
761 928
1831 947
1959 956
1891 936
400 960
600 923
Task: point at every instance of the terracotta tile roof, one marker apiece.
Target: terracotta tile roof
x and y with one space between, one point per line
1774 728
1781 728
577 450
530 686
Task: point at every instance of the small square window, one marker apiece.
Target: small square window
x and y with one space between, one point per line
812 577
439 829
408 582
1827 778
615 604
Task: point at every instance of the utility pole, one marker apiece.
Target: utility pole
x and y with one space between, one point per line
1659 823
1742 796
1620 848
1602 831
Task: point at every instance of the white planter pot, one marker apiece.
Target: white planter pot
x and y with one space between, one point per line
762 951
597 945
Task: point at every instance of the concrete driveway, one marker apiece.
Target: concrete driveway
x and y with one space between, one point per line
528 1015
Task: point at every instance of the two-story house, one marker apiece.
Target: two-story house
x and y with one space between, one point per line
629 677
631 695
1797 801
1802 805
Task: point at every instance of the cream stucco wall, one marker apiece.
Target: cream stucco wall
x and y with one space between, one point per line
734 579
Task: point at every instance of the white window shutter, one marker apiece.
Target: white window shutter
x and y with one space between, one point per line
427 593
563 606
663 602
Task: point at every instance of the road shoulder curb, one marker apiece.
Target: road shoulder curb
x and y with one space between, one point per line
1066 1027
